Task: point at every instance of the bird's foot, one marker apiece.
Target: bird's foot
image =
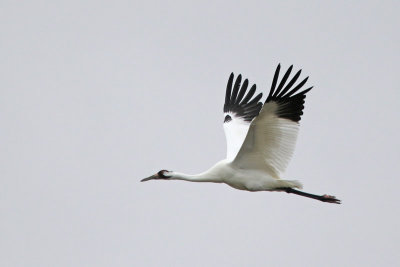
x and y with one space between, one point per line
330 199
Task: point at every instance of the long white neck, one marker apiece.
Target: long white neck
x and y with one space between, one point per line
201 177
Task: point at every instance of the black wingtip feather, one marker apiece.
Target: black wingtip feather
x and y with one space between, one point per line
275 79
245 108
236 87
242 91
255 99
249 94
229 88
294 90
290 84
290 104
283 81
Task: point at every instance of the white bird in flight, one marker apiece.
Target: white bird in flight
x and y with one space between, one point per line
260 138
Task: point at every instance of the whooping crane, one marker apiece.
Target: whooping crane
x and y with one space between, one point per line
260 138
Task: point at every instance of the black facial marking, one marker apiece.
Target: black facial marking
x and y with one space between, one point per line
161 174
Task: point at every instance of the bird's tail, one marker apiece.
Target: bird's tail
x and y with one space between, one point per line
290 183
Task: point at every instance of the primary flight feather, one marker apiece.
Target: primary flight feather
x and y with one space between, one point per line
260 137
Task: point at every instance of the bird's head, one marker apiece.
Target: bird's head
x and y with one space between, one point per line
161 175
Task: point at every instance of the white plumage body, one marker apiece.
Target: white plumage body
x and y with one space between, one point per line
226 172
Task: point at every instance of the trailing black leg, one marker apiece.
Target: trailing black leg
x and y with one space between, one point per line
324 198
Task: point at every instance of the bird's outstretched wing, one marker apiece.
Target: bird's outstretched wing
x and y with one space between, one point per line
239 110
271 138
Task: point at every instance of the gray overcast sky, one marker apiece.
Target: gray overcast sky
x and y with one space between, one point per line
96 95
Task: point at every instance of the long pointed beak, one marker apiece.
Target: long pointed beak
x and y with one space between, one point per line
149 178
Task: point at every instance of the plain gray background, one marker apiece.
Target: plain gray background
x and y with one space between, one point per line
96 95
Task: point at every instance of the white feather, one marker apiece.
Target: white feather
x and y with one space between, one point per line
235 133
269 143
